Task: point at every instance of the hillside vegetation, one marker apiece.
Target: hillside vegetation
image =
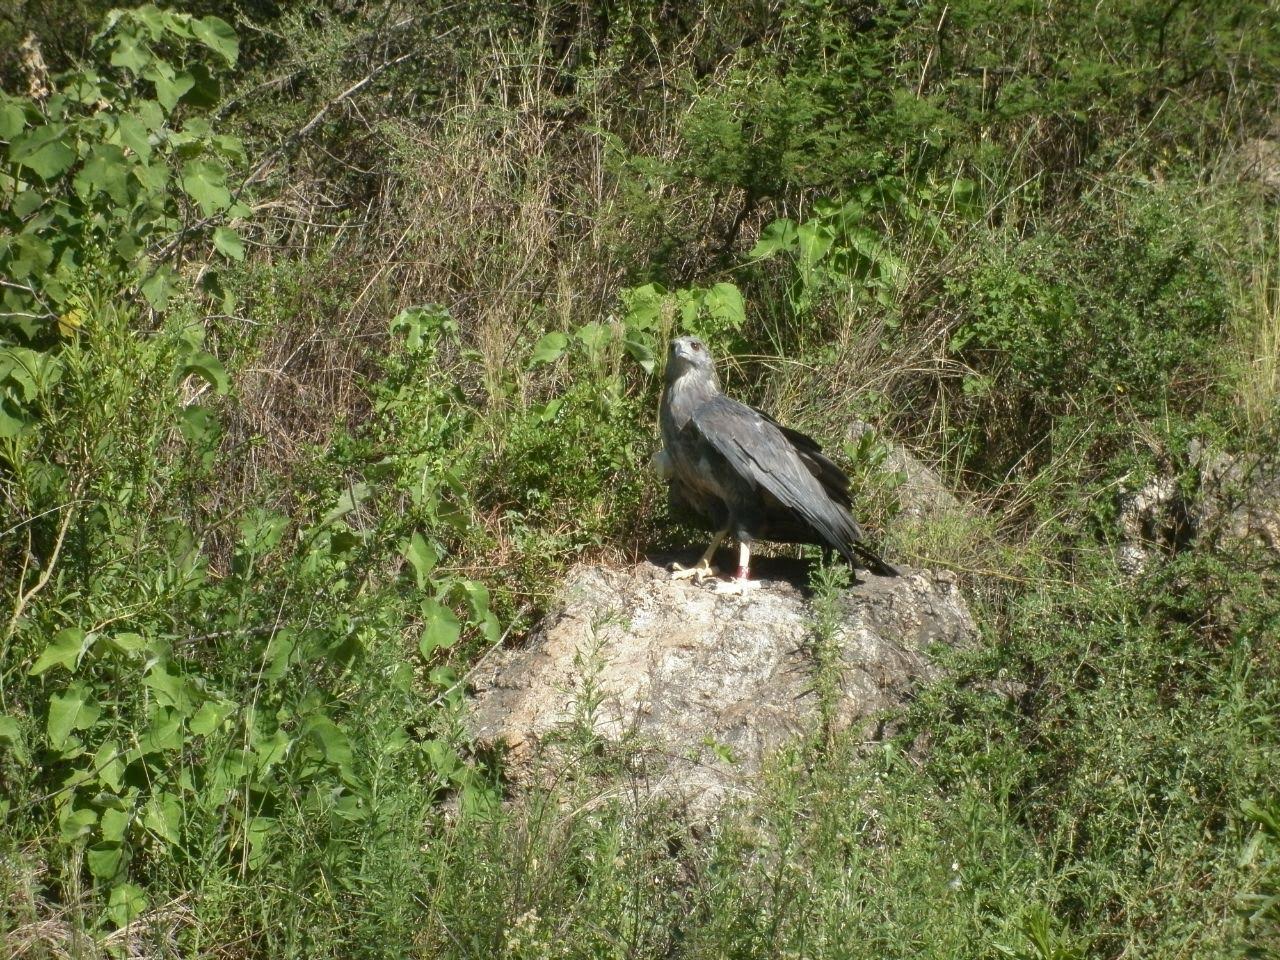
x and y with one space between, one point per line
331 334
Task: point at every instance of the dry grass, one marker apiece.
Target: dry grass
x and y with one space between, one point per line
1257 331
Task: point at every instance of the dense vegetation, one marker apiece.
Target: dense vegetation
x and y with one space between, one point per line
329 337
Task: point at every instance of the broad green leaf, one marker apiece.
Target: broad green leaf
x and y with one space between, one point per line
108 764
332 740
777 236
169 684
26 203
132 131
125 904
76 823
70 711
203 364
128 643
814 241
644 306
130 52
422 556
158 287
258 835
724 302
275 659
642 353
354 495
64 650
548 349
42 151
11 734
205 182
594 335
441 628
105 170
171 85
115 823
218 36
163 817
164 733
104 859
12 119
210 716
227 242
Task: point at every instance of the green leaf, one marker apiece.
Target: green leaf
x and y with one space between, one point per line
205 182
12 119
104 859
351 497
441 627
422 556
76 823
724 302
130 52
158 287
171 85
64 650
70 711
128 643
109 766
132 131
218 36
169 684
164 732
594 335
106 170
26 203
198 361
227 242
163 817
115 823
125 904
42 151
332 740
549 349
779 235
210 716
11 734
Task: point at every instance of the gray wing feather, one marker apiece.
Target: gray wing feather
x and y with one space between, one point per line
758 450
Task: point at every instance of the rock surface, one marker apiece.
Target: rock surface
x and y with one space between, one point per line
922 496
698 688
1222 499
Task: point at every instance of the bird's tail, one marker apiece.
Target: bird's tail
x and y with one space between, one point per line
871 560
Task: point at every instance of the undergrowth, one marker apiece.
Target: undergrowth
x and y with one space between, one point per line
330 336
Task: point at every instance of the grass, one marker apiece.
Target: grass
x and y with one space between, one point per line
1046 291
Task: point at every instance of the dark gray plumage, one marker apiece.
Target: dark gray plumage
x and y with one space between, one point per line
750 476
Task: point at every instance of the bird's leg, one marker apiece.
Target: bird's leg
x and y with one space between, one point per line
742 582
702 569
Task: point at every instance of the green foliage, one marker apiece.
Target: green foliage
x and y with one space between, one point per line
89 174
254 537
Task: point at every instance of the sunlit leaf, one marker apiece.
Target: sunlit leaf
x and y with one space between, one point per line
548 349
227 242
205 182
441 628
64 650
218 36
422 556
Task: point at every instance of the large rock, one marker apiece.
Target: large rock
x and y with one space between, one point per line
696 688
922 496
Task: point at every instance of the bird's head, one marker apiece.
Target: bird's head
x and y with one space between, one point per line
689 354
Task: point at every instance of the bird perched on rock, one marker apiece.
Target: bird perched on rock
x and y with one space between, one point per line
749 475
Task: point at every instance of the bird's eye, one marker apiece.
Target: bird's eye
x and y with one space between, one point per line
697 345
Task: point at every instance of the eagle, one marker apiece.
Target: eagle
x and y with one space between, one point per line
753 478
